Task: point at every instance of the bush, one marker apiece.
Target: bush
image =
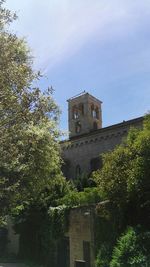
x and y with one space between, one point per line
132 249
103 257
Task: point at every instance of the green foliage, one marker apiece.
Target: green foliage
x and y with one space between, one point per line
124 183
86 197
30 163
132 249
83 181
59 220
41 233
107 229
103 257
124 178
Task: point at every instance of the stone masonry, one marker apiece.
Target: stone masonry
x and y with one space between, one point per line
81 236
87 142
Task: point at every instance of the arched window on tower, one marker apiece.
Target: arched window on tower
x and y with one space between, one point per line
97 112
92 110
75 112
78 127
81 108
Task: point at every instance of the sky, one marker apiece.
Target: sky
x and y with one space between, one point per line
100 46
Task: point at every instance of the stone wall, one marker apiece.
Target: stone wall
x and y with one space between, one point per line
81 150
81 236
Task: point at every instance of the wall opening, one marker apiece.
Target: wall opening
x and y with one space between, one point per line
78 170
75 112
81 108
87 253
94 112
96 163
78 127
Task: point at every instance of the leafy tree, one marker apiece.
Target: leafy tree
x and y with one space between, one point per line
124 178
29 149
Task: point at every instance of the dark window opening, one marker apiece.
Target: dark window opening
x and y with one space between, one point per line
81 108
78 170
97 113
87 253
78 127
75 112
92 110
96 163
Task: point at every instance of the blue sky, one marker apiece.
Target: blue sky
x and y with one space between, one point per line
99 46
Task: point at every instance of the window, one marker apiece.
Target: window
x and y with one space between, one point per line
81 108
75 112
94 112
97 113
78 127
78 170
96 163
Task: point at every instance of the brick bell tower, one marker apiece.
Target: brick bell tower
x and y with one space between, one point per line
84 114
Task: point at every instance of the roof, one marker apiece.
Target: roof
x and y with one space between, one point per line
83 93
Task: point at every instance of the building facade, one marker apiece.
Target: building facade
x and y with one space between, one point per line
88 140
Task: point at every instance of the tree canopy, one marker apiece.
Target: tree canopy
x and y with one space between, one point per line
29 147
124 178
124 181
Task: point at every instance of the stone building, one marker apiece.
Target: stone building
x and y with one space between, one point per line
87 138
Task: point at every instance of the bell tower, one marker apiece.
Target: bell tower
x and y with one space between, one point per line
84 114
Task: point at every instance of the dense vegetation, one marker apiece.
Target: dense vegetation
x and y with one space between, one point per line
124 180
30 163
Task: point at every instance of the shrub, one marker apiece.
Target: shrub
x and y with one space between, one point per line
132 249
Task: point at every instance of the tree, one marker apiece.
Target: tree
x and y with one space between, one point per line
29 149
124 183
124 178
